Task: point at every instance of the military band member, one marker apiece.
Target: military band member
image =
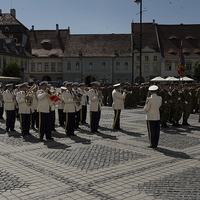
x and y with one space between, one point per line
9 101
75 91
118 105
34 113
69 109
1 102
24 109
61 114
15 91
44 111
94 108
100 100
84 102
152 107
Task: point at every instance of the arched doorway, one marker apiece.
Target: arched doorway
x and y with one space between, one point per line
89 79
46 78
137 80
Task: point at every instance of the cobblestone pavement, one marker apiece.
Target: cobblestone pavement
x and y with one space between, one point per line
105 165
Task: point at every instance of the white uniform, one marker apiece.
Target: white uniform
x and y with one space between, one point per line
69 106
43 101
118 102
23 107
152 106
8 100
94 100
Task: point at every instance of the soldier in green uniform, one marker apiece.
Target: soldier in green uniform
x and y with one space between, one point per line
105 95
187 98
165 107
110 100
177 105
198 99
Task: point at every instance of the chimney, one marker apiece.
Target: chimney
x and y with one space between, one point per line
32 27
13 12
0 34
57 29
154 21
0 12
69 29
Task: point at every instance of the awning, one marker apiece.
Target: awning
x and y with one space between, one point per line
5 78
157 79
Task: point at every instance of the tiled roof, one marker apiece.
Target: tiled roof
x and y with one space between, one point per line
8 19
171 36
45 43
98 45
105 44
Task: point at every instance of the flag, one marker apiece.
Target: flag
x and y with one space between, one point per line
53 97
182 63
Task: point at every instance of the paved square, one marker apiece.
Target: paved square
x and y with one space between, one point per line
105 165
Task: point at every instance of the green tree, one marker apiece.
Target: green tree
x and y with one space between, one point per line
12 69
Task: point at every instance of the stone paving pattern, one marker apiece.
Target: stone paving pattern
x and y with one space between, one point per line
106 165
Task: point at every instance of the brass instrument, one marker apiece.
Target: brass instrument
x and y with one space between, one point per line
78 98
29 101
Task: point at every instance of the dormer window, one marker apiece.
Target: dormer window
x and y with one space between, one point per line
173 37
154 45
137 45
6 29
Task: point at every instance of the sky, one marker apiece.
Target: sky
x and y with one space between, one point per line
100 16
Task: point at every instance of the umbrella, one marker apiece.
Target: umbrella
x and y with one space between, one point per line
158 79
5 78
171 78
185 78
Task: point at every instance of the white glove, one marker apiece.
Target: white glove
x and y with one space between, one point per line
186 102
179 98
179 91
190 93
169 93
165 101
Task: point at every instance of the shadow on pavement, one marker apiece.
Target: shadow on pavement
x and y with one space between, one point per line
52 144
106 136
78 139
175 154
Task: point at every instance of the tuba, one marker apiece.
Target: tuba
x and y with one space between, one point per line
29 101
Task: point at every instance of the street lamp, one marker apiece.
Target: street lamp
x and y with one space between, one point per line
140 2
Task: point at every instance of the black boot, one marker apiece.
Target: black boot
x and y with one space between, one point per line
177 124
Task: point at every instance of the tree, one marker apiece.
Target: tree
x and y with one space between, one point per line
12 69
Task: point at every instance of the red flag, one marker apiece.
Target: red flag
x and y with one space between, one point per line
182 63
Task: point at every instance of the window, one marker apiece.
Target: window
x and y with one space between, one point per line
68 65
53 67
4 45
32 67
46 67
137 58
4 62
146 69
137 69
168 67
59 80
77 66
126 65
22 64
117 65
26 79
39 67
155 68
155 58
26 65
103 65
6 29
146 58
60 67
90 65
188 66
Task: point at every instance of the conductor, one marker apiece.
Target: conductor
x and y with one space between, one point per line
151 107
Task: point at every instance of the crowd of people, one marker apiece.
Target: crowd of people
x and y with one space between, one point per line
35 107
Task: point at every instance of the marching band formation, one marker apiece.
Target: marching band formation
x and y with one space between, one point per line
35 106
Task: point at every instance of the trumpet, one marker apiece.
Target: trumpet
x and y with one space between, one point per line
78 97
127 92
